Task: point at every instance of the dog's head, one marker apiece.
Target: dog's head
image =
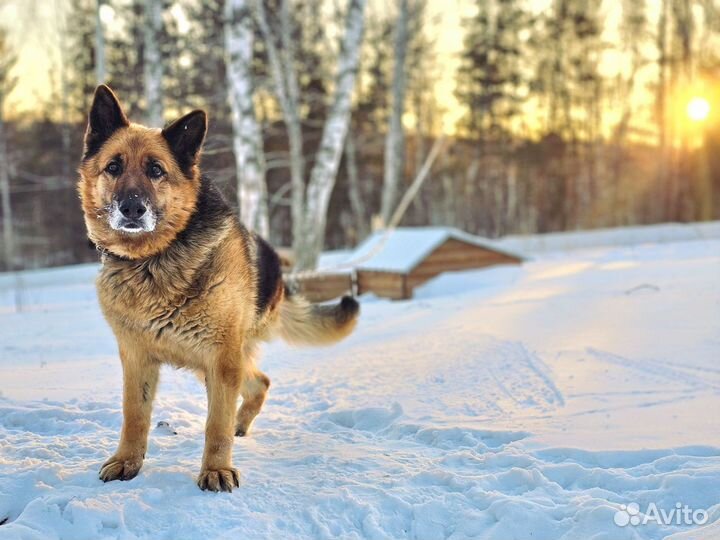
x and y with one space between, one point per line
138 185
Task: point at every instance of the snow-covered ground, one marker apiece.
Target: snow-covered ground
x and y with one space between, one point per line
512 403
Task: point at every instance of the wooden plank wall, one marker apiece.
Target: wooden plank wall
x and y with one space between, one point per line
385 284
322 287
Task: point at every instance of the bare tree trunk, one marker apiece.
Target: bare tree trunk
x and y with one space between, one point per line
356 201
152 59
285 82
247 135
420 211
64 95
394 141
469 193
99 45
511 213
322 177
297 157
417 183
622 195
449 203
683 38
7 61
7 221
661 105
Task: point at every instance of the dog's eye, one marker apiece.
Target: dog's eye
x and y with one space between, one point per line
113 168
155 171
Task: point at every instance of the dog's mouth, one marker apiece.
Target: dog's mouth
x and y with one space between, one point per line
131 226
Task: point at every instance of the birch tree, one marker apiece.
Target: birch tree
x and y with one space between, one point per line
7 60
247 135
64 69
632 30
285 83
661 103
79 57
99 44
152 60
395 139
327 160
124 57
356 201
309 206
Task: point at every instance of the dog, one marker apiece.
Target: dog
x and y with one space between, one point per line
183 282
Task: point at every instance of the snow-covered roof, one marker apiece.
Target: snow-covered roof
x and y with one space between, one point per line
404 248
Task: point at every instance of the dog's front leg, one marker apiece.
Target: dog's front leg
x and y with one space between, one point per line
223 387
140 377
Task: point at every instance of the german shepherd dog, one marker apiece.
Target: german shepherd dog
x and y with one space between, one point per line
185 283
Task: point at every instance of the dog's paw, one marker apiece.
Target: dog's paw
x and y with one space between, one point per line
219 480
117 468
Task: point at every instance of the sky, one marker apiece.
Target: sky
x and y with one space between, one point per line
35 33
33 36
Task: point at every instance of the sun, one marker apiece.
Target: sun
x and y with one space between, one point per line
698 109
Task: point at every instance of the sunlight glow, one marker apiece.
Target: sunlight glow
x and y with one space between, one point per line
698 109
107 14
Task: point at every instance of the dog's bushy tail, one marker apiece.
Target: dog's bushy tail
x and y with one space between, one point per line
303 323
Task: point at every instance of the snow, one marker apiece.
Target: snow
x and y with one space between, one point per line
330 260
516 402
400 250
622 236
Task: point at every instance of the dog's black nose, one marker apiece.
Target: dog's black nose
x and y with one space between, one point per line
132 208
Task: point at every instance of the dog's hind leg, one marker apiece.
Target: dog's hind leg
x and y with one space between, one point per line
254 389
140 378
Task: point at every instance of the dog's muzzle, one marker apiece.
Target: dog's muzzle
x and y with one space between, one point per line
132 215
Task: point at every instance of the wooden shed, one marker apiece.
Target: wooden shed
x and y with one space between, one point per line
321 286
392 265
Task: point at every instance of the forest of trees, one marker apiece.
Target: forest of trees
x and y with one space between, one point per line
323 113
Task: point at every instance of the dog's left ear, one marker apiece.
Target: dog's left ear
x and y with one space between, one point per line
185 137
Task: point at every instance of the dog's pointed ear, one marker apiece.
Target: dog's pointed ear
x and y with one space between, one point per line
185 137
105 118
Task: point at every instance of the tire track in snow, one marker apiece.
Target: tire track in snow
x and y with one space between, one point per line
655 369
479 377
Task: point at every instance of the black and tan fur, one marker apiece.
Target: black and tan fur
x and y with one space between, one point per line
190 287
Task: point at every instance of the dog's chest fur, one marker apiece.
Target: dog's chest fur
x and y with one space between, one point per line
160 303
146 297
